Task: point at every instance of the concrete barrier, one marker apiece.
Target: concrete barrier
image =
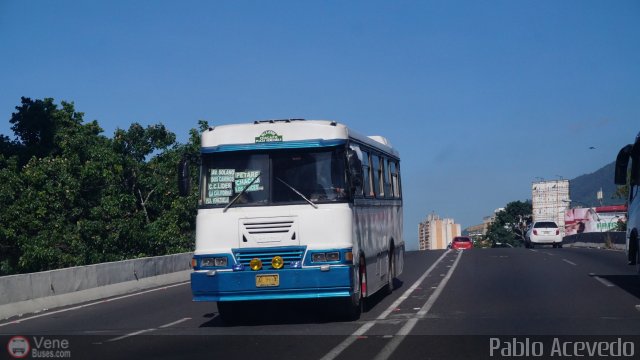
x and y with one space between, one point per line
26 293
605 240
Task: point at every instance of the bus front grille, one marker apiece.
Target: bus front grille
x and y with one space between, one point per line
288 254
278 231
273 227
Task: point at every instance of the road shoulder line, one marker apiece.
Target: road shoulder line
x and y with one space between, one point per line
390 347
336 351
49 313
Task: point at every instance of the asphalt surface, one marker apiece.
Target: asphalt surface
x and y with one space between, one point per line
447 304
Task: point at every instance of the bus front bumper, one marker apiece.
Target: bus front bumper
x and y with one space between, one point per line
305 283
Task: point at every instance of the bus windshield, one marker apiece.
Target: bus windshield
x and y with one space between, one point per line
274 177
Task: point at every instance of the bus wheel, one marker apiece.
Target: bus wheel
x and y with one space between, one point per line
391 273
355 304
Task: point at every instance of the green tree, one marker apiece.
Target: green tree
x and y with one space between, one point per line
622 192
10 189
509 225
173 228
37 123
71 196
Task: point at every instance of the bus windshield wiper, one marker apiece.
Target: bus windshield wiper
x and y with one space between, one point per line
240 194
297 192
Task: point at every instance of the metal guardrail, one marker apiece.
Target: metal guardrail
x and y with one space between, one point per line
31 292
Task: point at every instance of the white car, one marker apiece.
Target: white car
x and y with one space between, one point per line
543 233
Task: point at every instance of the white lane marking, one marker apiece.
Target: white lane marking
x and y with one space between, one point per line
405 295
391 346
91 304
175 323
604 282
336 351
569 262
148 330
130 335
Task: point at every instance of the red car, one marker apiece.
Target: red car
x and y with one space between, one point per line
461 242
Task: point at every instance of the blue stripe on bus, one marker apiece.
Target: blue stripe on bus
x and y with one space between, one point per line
317 143
307 283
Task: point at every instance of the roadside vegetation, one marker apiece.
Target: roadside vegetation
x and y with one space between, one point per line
71 196
509 225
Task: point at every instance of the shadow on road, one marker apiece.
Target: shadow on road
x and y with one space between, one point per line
286 312
629 283
279 312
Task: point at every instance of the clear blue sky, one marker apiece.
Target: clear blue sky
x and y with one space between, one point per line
479 97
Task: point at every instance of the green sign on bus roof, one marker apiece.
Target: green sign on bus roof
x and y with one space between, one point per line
268 136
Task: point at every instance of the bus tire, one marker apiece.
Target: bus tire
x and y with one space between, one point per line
391 273
355 304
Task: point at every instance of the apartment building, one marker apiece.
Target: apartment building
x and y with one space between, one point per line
436 233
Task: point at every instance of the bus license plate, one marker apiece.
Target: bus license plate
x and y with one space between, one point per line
267 280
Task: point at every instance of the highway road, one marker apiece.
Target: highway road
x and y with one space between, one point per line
447 304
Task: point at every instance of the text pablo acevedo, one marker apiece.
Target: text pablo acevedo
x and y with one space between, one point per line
557 347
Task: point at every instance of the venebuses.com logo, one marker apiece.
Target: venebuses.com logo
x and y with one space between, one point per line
38 347
18 347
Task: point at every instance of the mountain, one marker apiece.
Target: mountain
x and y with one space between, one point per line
583 189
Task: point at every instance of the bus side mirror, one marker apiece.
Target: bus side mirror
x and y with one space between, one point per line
622 162
184 180
635 164
355 170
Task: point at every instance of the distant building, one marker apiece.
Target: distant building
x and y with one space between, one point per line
436 233
477 232
550 200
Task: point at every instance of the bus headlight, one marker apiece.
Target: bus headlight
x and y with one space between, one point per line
214 262
277 262
332 256
319 257
255 264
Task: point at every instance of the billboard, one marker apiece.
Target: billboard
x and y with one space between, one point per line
582 220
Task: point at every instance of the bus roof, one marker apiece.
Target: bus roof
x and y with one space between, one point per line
286 133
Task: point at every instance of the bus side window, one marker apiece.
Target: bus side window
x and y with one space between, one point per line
393 168
381 176
399 180
388 191
375 170
366 174
634 179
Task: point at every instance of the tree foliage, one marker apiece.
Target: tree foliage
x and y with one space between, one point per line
509 225
72 196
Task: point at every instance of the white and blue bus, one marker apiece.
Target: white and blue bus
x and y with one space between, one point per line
631 153
295 209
